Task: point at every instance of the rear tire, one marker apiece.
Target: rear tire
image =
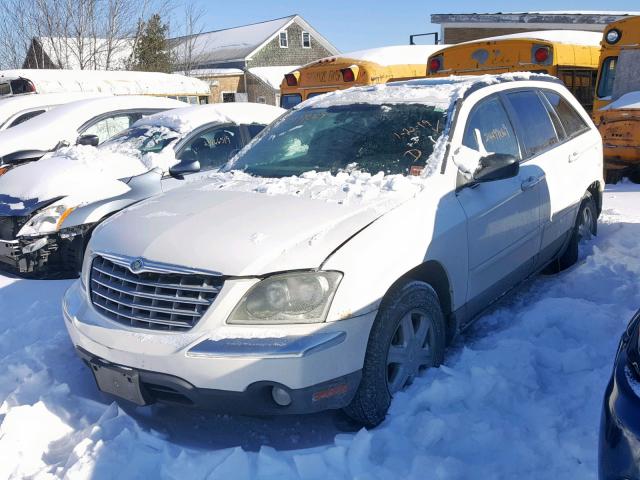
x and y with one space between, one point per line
612 176
407 337
585 228
634 176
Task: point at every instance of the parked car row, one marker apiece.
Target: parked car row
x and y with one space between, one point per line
322 262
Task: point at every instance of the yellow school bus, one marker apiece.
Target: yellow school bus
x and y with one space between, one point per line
364 67
617 102
570 55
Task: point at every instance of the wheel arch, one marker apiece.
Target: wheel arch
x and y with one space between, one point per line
434 274
595 189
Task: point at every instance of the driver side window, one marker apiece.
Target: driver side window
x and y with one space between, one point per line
489 120
107 127
213 147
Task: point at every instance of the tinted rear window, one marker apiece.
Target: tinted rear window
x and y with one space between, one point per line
571 120
537 131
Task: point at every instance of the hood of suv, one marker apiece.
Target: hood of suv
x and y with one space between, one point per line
239 231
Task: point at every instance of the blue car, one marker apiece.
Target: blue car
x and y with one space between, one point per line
619 453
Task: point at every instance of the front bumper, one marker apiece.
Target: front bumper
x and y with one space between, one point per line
229 368
619 445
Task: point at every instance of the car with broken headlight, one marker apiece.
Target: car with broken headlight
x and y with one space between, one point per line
337 255
49 208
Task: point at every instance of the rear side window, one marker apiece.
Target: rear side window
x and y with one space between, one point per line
537 131
490 120
571 120
25 116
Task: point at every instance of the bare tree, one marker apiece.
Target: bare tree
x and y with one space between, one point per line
188 49
81 34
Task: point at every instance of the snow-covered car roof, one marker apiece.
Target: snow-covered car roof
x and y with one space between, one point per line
19 103
46 130
432 91
568 37
190 118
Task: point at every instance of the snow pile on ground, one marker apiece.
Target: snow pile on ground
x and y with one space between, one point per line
519 395
628 101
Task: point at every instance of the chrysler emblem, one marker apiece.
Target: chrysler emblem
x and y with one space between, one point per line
136 265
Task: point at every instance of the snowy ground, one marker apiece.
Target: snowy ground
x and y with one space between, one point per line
518 397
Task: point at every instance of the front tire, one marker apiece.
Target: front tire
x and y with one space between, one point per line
407 337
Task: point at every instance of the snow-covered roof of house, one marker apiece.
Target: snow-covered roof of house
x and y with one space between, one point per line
574 37
87 53
238 43
117 82
190 118
272 76
583 17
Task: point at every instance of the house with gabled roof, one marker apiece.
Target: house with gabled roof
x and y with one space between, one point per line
244 63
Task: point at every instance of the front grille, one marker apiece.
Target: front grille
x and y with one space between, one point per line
159 301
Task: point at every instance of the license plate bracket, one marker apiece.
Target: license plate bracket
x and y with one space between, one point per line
119 381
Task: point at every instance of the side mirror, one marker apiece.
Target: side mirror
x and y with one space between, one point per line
496 166
91 140
187 164
22 156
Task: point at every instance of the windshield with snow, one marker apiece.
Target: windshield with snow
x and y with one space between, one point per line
143 139
394 139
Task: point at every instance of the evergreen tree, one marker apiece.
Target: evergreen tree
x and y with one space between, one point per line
151 49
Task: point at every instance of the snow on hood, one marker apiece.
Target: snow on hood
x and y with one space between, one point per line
184 120
265 225
81 173
628 101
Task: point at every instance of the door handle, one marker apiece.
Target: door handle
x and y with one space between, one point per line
573 157
530 182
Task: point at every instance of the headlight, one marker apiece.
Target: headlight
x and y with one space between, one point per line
613 36
47 220
300 297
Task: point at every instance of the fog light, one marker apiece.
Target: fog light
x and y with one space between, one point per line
281 396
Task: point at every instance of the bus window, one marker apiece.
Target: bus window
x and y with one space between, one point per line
290 100
581 83
204 100
607 77
315 94
5 88
183 99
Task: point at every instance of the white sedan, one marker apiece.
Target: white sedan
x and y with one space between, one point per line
49 208
86 122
